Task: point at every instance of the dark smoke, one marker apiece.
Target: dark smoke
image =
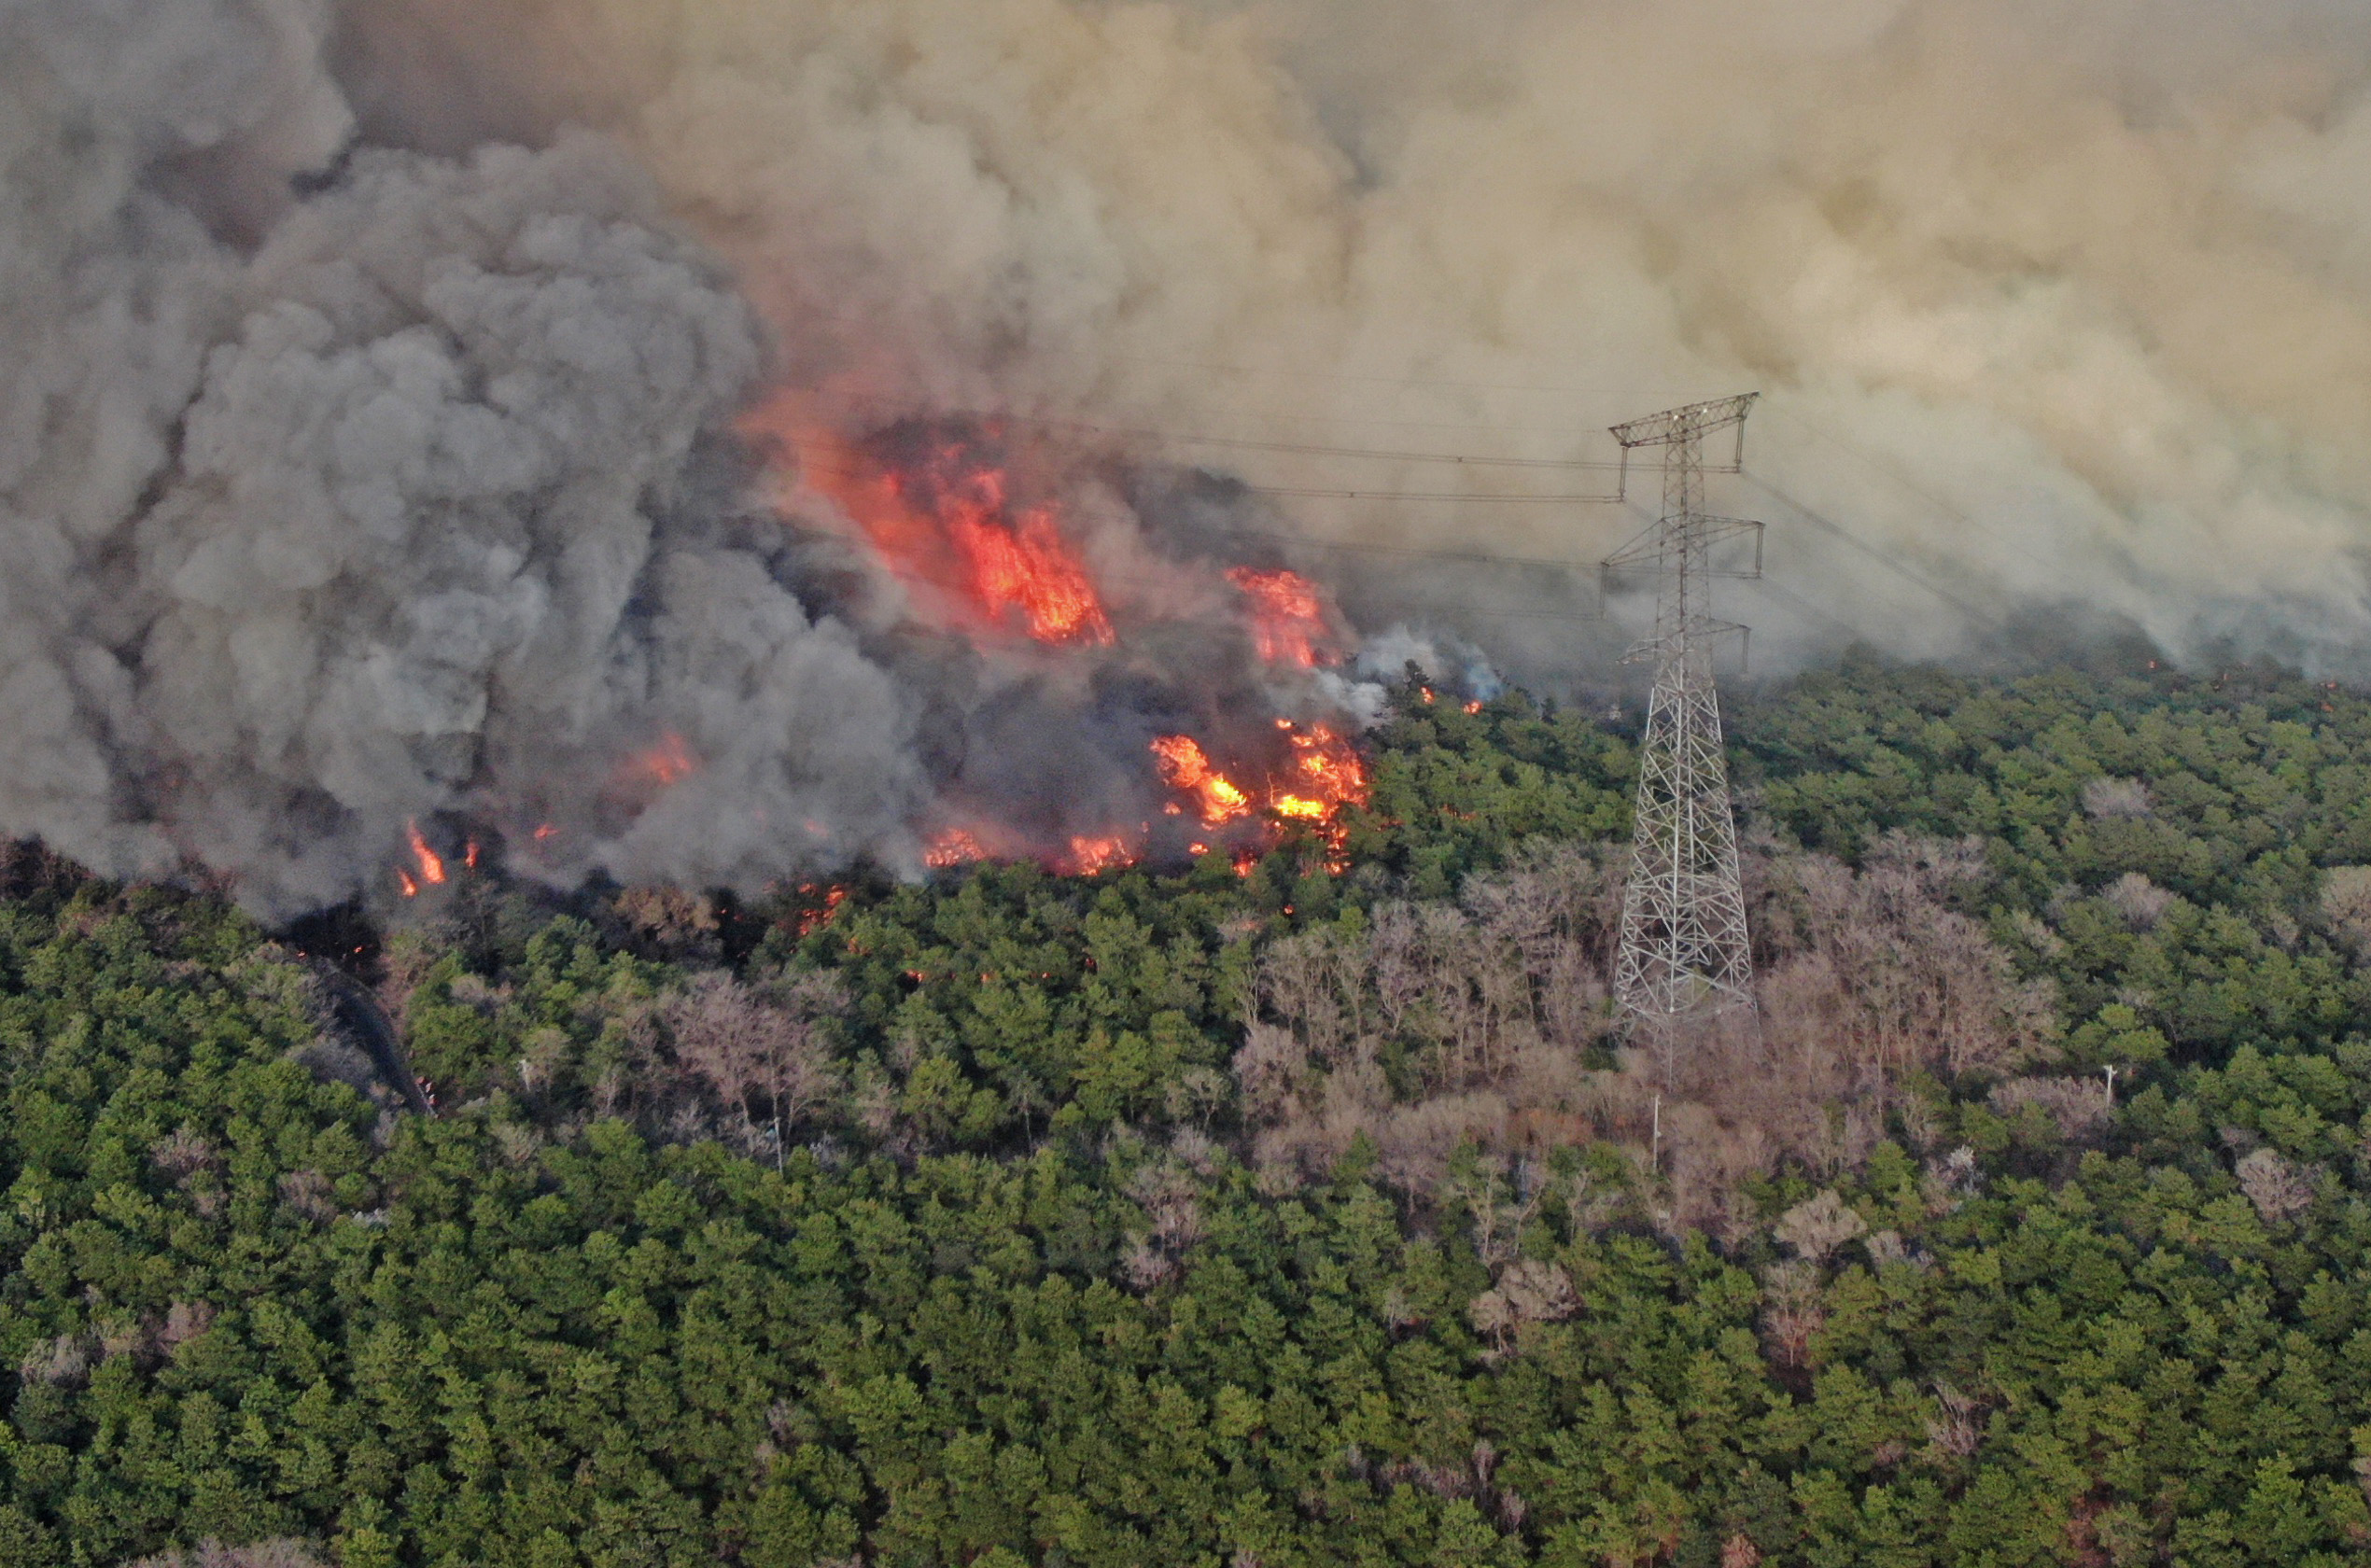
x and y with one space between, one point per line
379 446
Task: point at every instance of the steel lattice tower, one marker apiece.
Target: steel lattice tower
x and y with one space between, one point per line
1684 952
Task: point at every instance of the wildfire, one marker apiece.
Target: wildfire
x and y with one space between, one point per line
671 762
949 520
1327 775
1288 619
1322 776
816 915
1028 567
1090 856
1183 767
955 846
431 864
1329 768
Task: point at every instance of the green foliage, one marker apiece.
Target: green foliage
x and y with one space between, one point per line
1010 1296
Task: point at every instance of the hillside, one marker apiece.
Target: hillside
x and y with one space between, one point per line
1299 1217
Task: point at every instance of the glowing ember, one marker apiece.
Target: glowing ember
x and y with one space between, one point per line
820 914
431 863
470 857
955 846
1183 767
544 831
1090 856
1288 619
671 762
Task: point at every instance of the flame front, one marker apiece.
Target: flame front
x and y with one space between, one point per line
1183 767
953 848
949 520
1327 774
1288 617
1093 854
430 862
1028 567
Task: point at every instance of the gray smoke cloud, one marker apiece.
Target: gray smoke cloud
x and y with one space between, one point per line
393 511
2051 307
372 453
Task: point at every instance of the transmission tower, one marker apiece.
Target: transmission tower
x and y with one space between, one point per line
1684 954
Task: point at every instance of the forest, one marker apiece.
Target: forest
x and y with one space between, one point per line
1313 1215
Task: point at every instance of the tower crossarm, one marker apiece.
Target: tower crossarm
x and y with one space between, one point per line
1690 422
1657 544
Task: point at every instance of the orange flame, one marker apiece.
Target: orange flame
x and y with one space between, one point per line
815 915
1327 775
1090 856
671 762
431 863
1183 767
544 831
955 846
1288 619
1029 566
952 524
403 880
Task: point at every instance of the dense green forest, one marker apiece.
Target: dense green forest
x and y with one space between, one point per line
1296 1218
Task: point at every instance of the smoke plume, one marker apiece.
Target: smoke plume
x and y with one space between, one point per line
495 417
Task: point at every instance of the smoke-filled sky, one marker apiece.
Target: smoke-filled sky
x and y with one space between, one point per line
391 381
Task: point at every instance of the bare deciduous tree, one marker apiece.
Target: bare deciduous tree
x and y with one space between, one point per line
751 1043
2280 1189
2111 798
1819 1224
259 1554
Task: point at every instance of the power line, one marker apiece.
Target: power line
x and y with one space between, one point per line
1174 438
1435 496
950 584
1473 556
1888 470
1458 497
1347 377
1884 558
